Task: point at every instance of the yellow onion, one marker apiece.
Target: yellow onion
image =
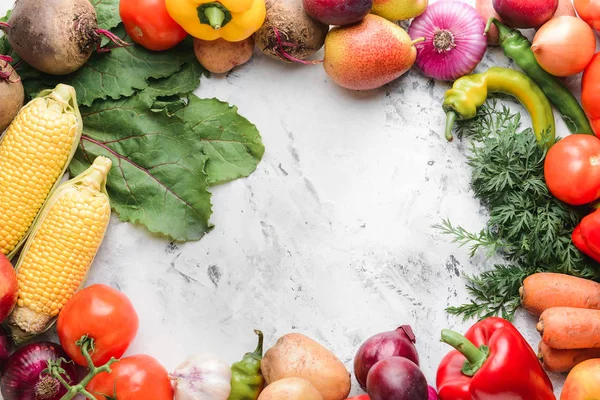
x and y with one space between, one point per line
564 46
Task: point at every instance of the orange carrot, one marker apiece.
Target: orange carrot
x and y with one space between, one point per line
546 290
570 328
555 360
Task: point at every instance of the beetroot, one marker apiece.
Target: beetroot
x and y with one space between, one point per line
383 345
12 94
54 36
338 12
396 378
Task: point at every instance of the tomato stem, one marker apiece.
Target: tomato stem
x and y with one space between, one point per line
86 344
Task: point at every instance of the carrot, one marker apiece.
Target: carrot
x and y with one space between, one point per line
555 360
546 290
570 328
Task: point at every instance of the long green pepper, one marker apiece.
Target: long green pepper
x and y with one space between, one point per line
246 378
518 48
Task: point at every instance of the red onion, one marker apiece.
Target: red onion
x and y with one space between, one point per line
454 39
23 378
432 394
4 347
384 345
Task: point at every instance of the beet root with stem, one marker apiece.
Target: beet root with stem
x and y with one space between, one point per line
12 94
54 36
289 34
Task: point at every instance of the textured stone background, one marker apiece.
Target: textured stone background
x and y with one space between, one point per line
330 237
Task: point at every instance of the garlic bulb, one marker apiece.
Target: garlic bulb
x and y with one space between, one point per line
202 377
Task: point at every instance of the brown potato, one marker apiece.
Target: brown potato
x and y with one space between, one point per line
11 95
220 56
290 389
296 355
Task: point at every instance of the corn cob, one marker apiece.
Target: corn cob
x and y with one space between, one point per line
60 249
34 153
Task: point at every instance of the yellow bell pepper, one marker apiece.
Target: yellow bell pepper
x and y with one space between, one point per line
231 20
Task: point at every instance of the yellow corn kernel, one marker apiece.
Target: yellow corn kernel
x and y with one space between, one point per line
34 154
61 247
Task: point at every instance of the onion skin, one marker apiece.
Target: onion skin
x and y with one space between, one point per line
4 347
384 345
454 40
432 394
564 46
23 377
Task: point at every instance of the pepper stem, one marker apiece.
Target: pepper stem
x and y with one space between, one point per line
258 353
476 357
215 16
503 30
450 120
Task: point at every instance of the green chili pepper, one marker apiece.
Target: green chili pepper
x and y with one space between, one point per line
518 48
247 381
470 92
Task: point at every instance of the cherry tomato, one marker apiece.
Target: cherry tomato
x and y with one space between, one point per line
149 24
105 315
572 169
138 377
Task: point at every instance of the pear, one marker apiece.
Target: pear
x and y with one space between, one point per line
369 54
399 10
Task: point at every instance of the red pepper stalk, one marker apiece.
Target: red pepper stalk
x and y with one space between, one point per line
586 236
491 362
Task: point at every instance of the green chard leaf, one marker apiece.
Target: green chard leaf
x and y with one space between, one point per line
118 73
158 176
232 143
107 13
163 165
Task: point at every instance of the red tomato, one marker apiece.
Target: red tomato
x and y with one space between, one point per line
138 377
590 92
102 313
8 287
589 11
572 169
149 24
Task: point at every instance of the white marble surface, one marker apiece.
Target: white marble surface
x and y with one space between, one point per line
330 236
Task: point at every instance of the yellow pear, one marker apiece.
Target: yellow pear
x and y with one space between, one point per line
399 10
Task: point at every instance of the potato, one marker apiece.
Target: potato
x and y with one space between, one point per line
485 8
290 389
303 34
11 94
297 356
220 56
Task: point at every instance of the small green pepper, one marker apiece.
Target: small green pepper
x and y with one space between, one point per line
518 48
246 380
470 92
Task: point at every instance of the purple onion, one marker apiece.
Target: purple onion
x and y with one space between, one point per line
432 394
398 343
23 378
4 347
454 39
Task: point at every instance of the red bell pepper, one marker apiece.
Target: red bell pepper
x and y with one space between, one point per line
492 362
586 236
